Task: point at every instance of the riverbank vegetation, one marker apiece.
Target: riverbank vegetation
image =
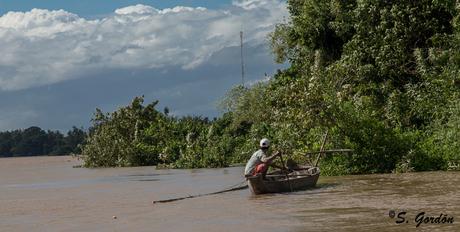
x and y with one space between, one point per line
382 78
34 141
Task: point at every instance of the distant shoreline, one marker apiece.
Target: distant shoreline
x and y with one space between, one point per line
28 156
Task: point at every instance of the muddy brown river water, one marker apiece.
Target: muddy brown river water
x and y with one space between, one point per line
48 194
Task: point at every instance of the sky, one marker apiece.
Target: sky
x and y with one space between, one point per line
60 60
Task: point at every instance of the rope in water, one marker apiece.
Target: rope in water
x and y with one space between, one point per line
236 187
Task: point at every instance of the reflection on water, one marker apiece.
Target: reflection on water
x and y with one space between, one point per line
47 194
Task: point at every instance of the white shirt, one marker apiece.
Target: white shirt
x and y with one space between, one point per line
257 158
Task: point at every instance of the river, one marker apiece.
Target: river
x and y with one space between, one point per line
48 194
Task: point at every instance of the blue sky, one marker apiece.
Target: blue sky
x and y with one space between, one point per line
95 8
63 59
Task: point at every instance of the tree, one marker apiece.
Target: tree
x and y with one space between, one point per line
114 138
75 137
31 143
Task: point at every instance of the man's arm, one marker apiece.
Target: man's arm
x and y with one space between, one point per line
271 158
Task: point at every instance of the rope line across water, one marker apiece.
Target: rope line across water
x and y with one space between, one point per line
236 187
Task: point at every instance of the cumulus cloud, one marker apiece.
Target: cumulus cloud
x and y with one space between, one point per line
42 47
252 4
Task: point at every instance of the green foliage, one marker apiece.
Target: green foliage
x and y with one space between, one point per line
377 148
440 148
382 78
114 139
34 141
137 135
379 73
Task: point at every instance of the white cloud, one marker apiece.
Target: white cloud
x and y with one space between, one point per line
137 9
252 4
41 47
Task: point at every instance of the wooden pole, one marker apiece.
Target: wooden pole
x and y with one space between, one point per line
328 151
322 148
287 174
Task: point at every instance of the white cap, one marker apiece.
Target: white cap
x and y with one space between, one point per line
264 143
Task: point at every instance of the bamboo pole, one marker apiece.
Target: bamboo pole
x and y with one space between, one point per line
287 175
329 151
321 149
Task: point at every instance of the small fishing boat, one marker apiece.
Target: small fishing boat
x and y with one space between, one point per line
299 179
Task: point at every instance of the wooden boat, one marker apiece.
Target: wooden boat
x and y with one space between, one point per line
301 178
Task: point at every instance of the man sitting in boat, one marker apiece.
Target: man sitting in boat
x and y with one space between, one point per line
260 161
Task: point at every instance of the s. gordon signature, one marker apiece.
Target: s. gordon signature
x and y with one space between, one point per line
421 218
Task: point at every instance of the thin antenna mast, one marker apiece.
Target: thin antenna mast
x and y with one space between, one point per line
242 61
